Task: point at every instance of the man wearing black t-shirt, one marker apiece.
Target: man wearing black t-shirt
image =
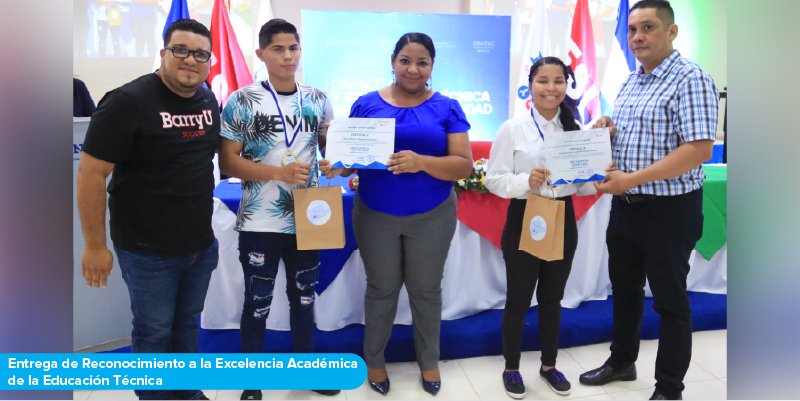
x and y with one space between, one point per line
158 135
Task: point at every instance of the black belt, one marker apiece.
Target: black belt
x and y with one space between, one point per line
635 198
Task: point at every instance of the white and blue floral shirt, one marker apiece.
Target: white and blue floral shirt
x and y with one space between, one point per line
251 116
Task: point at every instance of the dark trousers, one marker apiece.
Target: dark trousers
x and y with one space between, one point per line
523 271
653 239
259 254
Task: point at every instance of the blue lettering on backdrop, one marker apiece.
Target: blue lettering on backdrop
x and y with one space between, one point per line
347 55
77 148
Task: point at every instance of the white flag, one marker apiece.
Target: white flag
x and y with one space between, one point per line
537 44
264 15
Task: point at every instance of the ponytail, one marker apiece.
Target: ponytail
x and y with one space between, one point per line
567 118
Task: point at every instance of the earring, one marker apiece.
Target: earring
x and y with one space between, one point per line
430 81
394 78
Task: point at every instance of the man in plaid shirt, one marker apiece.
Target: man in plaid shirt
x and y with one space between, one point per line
663 128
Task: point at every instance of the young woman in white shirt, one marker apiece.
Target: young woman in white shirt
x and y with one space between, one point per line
516 168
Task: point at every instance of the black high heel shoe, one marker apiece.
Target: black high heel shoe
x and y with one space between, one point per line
431 388
380 387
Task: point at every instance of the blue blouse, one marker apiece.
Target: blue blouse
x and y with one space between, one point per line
422 129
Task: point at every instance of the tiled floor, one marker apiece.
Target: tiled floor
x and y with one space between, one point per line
479 378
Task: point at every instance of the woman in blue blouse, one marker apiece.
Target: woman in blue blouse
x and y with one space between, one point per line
404 218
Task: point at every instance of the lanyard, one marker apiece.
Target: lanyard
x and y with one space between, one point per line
553 188
541 135
268 86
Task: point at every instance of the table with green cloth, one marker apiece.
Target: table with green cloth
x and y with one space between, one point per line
715 210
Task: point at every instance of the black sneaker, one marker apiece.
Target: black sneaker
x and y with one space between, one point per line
327 392
251 395
556 380
660 395
515 387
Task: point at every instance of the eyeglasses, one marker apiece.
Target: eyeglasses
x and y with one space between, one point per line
201 56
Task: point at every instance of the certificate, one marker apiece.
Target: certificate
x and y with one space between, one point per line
364 143
577 156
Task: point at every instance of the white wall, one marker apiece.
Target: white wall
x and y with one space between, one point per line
100 315
104 74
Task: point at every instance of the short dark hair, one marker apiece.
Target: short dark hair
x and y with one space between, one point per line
663 10
188 25
274 27
414 37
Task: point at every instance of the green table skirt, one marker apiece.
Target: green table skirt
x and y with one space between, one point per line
715 210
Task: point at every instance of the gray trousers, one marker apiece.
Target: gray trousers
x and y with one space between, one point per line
408 250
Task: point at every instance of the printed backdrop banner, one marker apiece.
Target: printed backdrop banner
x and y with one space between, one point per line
348 54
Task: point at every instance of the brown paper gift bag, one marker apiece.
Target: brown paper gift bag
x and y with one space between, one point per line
543 228
319 217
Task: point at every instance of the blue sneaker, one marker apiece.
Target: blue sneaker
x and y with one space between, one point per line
556 381
515 387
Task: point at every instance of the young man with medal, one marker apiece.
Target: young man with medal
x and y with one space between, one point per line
271 131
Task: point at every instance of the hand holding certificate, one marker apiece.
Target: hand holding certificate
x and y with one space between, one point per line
365 143
578 156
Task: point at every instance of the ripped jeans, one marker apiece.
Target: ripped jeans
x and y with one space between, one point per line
259 254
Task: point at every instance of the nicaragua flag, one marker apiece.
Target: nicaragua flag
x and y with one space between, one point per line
621 61
178 10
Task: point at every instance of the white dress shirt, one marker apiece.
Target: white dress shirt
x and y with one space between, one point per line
518 149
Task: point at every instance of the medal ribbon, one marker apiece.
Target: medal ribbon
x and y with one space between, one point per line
268 86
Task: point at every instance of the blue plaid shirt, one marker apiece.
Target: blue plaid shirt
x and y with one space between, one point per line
658 112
